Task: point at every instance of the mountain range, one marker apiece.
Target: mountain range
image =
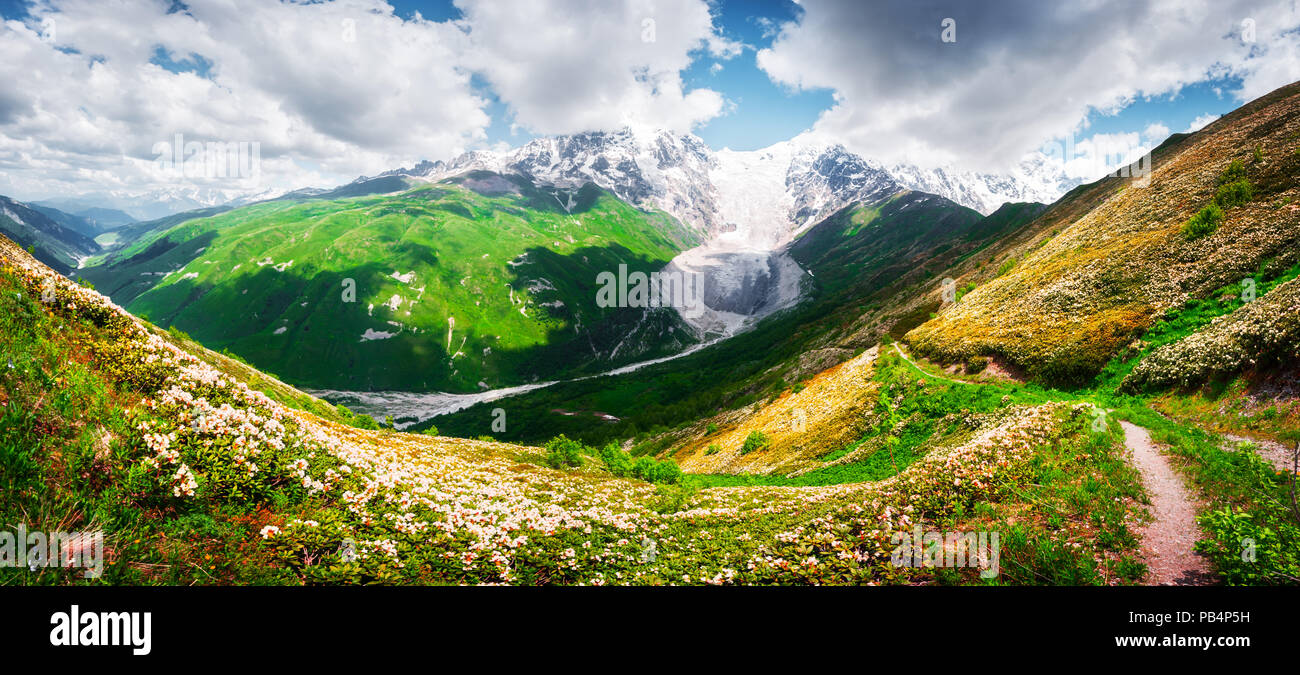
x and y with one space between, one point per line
60 240
733 218
798 181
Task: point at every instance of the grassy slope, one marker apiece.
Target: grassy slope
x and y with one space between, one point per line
495 264
1070 304
92 394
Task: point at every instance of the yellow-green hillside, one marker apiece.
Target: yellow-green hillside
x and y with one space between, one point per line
1073 301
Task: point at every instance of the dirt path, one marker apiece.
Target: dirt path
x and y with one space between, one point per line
923 371
1168 541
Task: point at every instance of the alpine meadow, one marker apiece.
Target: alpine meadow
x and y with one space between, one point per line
672 293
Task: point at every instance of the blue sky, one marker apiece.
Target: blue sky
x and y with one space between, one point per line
1176 111
760 113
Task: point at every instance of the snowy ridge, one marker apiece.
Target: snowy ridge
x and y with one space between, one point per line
1033 180
762 196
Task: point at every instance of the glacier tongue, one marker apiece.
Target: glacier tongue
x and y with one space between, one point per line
740 286
746 272
764 198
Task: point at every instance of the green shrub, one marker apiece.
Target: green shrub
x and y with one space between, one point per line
1259 154
1204 223
364 421
431 431
669 473
618 462
1232 194
562 452
1236 171
657 471
756 440
711 428
713 449
961 292
977 364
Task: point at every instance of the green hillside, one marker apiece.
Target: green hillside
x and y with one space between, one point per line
52 242
484 279
701 476
1218 207
862 261
197 478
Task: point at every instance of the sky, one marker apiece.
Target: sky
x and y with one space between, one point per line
100 94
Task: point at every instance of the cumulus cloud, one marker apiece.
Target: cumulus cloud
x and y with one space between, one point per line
1200 122
325 89
566 66
1020 72
1155 132
328 90
1099 154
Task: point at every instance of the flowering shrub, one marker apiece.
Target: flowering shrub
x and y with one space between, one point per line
1264 331
852 543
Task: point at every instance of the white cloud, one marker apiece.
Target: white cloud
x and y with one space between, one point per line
1019 74
1099 154
329 90
336 88
1155 132
565 66
1200 122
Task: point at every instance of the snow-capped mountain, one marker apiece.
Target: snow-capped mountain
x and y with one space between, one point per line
768 193
765 195
1033 180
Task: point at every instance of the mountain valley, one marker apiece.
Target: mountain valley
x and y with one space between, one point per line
871 357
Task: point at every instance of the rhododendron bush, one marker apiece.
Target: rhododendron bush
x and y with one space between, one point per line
1266 330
